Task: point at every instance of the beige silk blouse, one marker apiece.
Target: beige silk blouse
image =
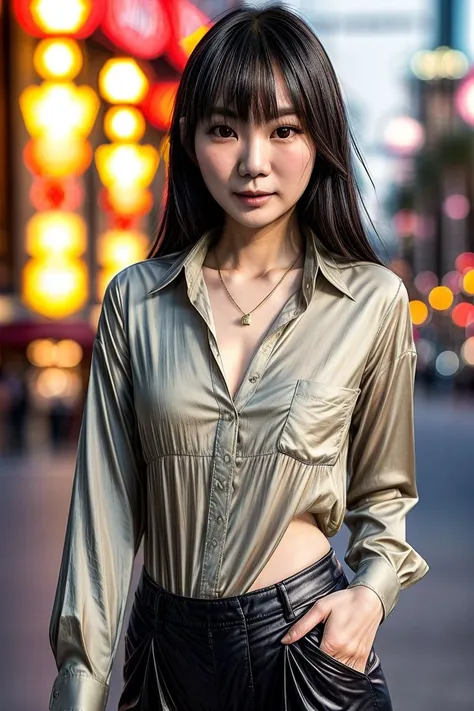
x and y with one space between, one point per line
322 422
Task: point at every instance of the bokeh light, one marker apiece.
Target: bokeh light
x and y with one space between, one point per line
425 281
442 62
447 363
441 298
426 350
464 262
56 58
463 314
41 352
419 312
456 207
60 16
56 233
467 351
124 123
468 282
453 281
121 81
404 135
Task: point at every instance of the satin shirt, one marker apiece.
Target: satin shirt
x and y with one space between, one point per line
322 422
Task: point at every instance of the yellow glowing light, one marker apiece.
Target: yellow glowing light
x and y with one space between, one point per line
41 352
130 201
467 351
419 312
68 353
124 123
58 59
58 158
60 110
56 234
121 81
126 164
441 298
103 278
468 282
164 149
119 248
55 289
189 43
60 16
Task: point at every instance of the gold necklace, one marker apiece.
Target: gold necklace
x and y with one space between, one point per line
245 320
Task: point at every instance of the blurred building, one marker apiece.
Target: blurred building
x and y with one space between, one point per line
86 95
434 203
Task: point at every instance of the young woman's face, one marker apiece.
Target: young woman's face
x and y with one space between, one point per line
276 157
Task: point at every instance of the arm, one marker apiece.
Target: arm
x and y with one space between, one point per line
105 524
382 487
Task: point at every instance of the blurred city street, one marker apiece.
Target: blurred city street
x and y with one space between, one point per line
425 645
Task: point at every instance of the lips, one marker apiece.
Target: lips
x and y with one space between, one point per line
247 194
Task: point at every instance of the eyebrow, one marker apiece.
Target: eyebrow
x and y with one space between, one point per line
283 111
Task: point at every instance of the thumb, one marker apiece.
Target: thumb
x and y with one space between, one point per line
319 612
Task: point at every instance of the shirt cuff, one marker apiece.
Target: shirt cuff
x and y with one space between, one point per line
80 692
379 576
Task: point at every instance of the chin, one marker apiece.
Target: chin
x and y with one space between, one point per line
256 218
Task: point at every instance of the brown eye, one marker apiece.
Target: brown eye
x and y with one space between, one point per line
220 127
285 130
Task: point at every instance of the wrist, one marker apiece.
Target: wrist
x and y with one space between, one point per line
368 599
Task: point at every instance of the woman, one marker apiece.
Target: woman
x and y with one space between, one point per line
251 388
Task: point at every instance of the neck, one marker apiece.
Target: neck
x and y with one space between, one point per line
256 251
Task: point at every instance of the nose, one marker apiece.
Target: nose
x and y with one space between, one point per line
254 157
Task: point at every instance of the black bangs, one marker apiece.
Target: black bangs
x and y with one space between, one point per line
239 79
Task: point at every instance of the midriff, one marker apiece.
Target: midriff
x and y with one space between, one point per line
302 545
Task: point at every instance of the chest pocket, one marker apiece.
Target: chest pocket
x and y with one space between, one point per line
317 422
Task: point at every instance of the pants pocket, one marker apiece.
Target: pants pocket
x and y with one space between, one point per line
324 682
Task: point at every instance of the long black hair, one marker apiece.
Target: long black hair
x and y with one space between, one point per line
235 61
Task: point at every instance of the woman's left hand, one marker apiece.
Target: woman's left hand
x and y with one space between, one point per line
352 618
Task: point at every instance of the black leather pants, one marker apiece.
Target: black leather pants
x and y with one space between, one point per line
225 654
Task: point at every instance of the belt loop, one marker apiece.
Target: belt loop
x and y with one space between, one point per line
287 608
159 623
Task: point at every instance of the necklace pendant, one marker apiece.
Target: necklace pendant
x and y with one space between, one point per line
246 320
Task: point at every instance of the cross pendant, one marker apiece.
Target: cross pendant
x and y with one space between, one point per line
245 320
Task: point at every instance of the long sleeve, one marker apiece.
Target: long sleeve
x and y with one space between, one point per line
382 487
105 524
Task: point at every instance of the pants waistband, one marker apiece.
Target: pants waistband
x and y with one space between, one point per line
284 596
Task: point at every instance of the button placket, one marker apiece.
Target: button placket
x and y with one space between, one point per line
220 493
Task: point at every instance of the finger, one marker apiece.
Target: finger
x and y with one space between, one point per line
317 614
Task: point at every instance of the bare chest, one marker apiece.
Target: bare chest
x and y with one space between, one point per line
237 342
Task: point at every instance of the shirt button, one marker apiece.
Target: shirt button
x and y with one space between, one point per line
219 519
307 285
56 693
254 378
214 542
226 458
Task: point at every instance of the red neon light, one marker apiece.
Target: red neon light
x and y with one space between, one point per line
21 9
158 104
185 19
139 27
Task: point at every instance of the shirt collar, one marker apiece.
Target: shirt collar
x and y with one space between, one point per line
316 257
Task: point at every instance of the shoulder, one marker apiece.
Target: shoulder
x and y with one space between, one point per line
137 279
374 283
